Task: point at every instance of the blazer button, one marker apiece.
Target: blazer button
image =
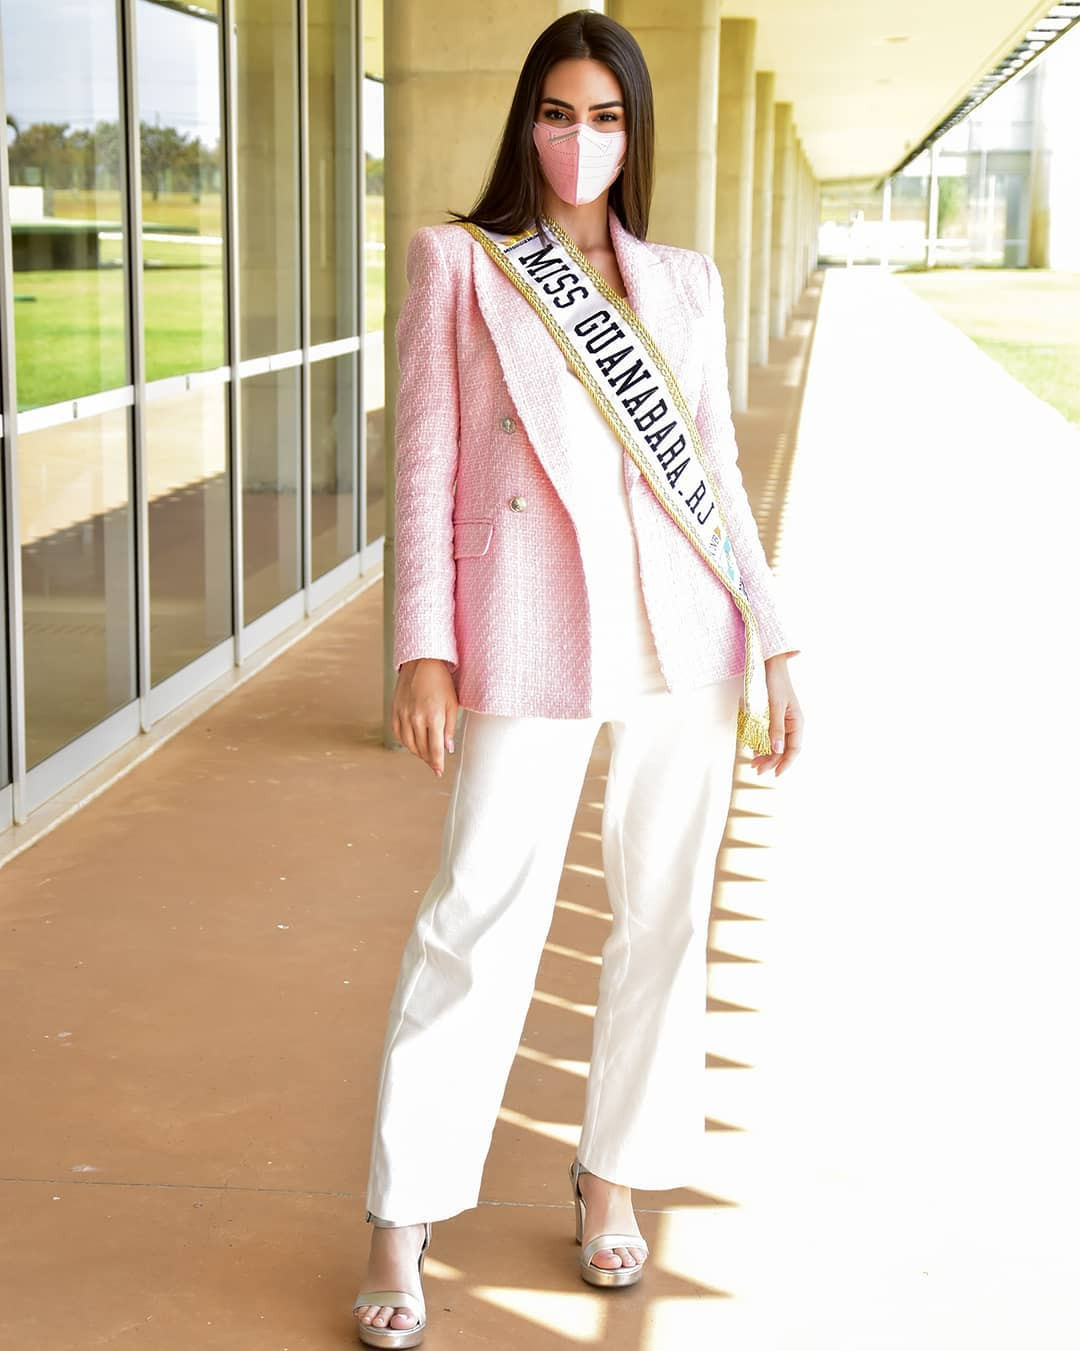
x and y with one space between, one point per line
517 504
508 424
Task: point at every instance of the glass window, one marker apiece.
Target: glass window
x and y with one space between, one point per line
331 58
77 577
67 216
270 431
189 527
5 690
375 436
268 251
333 457
180 142
375 309
268 246
181 161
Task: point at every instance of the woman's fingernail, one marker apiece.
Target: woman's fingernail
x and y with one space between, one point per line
778 746
450 743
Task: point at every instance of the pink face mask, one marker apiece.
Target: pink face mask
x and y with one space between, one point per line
578 161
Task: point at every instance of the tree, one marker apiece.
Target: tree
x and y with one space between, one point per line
42 146
161 149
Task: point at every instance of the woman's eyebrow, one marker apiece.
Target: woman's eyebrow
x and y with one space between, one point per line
611 103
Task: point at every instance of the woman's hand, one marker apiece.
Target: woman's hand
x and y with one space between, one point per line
785 718
425 708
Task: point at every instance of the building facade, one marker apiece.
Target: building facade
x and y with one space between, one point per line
192 437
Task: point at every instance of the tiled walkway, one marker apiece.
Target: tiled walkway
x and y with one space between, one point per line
196 966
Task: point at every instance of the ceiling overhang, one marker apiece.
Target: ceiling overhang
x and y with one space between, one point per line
868 83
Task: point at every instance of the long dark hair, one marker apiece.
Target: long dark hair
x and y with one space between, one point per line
511 200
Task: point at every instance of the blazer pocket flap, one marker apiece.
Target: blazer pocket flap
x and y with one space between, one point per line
472 536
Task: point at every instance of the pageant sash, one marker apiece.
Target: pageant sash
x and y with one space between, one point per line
611 352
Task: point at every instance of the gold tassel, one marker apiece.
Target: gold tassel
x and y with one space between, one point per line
754 732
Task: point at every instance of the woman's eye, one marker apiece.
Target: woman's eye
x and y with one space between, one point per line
552 113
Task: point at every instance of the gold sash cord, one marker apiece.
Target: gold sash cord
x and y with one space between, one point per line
611 352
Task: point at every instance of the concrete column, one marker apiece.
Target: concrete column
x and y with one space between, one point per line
735 194
441 75
1055 166
782 223
1039 182
681 45
793 216
804 240
886 220
798 205
815 224
808 217
761 249
804 229
809 222
796 218
932 207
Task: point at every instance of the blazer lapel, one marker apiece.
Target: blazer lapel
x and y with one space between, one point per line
533 364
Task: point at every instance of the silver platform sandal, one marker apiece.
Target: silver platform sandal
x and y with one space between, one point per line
394 1338
603 1275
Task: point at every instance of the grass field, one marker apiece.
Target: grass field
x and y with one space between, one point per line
69 327
1027 319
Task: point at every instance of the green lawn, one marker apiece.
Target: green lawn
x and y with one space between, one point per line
69 326
69 329
69 333
171 211
1027 319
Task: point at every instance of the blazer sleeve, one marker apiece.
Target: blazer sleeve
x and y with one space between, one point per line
426 456
721 456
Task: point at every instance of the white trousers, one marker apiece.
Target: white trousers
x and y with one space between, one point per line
469 965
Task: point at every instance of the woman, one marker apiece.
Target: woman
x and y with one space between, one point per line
574 550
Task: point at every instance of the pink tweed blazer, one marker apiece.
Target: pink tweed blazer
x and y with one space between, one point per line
497 592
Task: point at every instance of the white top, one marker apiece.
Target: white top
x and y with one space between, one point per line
624 658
